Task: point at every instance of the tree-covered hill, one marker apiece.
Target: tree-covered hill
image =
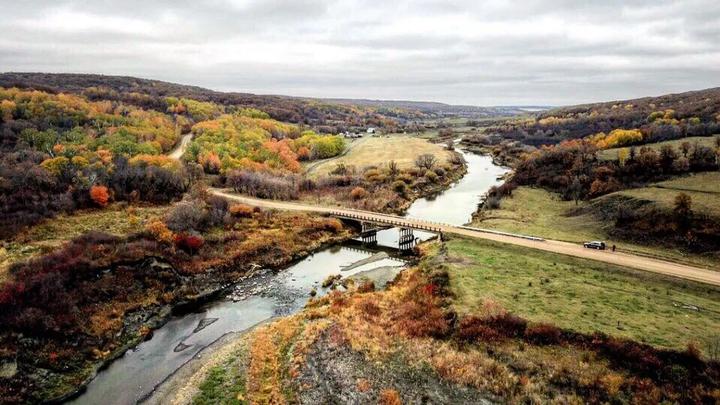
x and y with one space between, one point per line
671 116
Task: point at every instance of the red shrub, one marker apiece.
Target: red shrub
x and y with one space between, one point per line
358 193
390 397
370 308
543 333
507 324
630 354
430 289
100 195
473 329
367 286
303 153
189 242
420 320
242 210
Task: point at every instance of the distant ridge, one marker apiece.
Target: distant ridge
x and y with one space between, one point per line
77 82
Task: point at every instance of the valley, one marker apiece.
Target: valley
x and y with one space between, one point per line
182 250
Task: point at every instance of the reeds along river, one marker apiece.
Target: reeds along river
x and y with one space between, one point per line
134 376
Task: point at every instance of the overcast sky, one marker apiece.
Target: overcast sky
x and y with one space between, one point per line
505 52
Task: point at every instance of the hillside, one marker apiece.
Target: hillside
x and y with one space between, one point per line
441 334
325 115
442 109
330 118
671 116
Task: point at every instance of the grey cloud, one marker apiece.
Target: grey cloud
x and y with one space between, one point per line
470 52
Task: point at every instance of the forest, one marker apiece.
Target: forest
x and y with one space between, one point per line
63 152
324 116
69 308
658 119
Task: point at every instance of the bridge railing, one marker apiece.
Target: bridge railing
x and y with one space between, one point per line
384 219
423 226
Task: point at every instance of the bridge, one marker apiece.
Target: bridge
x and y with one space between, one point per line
671 269
371 224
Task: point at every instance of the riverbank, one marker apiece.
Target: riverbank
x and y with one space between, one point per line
502 154
385 186
265 295
407 343
185 383
122 299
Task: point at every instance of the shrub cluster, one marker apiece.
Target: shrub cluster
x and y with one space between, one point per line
573 170
264 185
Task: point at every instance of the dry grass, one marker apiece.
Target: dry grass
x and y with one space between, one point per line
267 370
398 326
380 150
48 235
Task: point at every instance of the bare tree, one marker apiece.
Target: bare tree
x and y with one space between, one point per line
426 161
393 169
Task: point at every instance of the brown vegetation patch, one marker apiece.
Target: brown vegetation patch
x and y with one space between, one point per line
90 297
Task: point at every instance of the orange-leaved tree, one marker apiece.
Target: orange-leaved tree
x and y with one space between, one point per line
100 195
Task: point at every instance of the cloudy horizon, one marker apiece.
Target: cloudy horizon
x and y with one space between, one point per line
557 52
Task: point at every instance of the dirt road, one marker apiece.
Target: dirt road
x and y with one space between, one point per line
622 259
618 258
180 148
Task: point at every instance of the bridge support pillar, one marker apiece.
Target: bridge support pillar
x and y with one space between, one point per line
368 233
407 239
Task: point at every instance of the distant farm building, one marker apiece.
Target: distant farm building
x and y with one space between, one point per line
371 130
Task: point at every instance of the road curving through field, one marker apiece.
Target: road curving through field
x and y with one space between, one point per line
657 266
662 267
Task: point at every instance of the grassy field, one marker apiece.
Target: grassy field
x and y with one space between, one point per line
583 295
703 188
380 150
51 233
612 154
537 212
708 182
707 203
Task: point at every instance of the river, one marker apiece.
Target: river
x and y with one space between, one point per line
456 205
267 294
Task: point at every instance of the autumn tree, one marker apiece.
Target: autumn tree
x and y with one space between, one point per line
358 193
7 110
685 148
667 157
210 163
100 195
